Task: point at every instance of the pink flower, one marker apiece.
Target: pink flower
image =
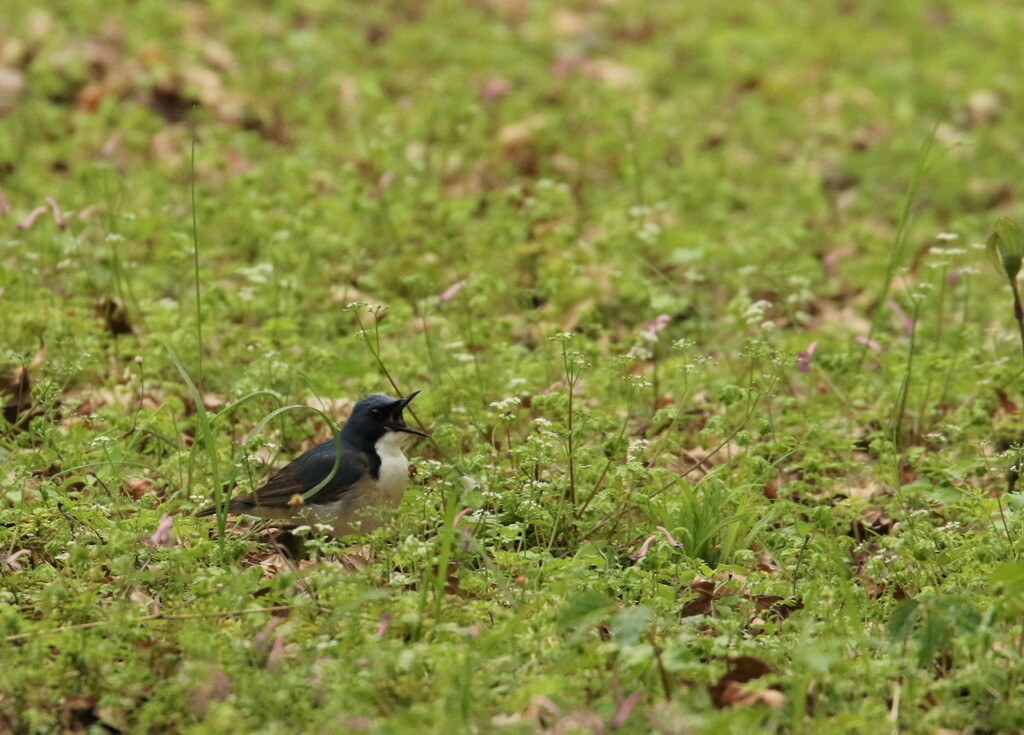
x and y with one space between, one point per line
276 654
495 88
12 560
650 539
668 537
869 343
32 217
162 536
57 216
460 515
803 360
449 293
654 327
567 63
625 707
643 549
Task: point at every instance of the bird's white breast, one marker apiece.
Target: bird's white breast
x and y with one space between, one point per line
394 467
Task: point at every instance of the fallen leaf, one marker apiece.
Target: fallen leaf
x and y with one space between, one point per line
570 23
737 695
138 487
1005 403
115 719
115 316
213 401
776 606
12 85
729 691
541 709
145 601
215 687
78 713
869 489
16 391
613 73
875 521
706 592
984 106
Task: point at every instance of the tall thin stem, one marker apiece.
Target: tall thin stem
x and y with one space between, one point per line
195 251
1018 311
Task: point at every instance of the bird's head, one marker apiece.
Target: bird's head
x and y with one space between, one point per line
373 417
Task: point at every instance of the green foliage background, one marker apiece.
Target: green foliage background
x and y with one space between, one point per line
494 201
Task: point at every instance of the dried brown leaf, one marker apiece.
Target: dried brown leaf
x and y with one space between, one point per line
729 691
12 86
706 592
216 687
78 713
137 487
570 23
775 606
115 316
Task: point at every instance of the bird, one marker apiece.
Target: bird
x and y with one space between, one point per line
364 485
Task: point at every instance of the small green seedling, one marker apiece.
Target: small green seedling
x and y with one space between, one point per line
1006 249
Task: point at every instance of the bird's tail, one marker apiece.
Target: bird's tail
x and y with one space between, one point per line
212 510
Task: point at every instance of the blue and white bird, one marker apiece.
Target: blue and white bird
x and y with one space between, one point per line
364 490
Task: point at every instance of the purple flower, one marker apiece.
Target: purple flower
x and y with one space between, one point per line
803 360
906 323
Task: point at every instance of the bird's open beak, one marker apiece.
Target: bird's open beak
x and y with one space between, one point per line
399 422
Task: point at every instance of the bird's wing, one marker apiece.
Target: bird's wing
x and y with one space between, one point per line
305 473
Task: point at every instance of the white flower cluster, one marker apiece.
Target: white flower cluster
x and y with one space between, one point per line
506 404
754 315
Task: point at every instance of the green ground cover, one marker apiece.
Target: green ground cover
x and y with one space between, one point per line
602 238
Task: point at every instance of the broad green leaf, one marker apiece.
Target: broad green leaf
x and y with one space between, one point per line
1008 576
628 625
583 611
902 620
